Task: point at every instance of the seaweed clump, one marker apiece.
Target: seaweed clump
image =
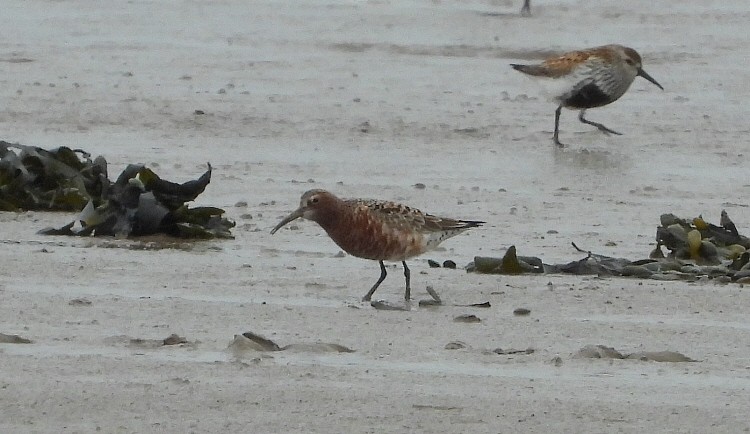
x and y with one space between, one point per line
138 203
33 178
695 249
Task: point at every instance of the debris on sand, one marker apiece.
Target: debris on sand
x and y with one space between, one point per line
151 344
13 339
697 249
435 301
139 202
512 351
508 264
482 305
605 352
467 318
456 345
172 339
384 305
459 345
659 356
80 302
431 302
598 352
521 311
446 264
254 342
33 178
699 241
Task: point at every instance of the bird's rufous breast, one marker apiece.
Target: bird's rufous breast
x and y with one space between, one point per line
361 232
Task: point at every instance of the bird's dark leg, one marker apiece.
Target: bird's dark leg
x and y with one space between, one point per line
407 274
601 127
557 127
383 273
526 9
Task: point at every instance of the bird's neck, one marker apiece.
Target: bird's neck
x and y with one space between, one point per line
330 218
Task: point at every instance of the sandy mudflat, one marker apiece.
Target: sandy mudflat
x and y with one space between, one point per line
287 89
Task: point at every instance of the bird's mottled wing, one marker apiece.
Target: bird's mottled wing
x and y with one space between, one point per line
392 214
399 216
562 65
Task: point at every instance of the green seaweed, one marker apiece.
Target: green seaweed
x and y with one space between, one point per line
139 202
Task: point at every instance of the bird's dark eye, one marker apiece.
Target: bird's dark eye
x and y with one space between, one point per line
629 62
314 200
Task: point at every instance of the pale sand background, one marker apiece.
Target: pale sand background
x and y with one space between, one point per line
286 87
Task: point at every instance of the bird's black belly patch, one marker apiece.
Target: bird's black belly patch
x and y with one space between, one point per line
587 97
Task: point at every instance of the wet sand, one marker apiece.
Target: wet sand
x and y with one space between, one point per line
368 99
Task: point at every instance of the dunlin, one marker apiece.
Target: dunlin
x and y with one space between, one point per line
588 78
376 229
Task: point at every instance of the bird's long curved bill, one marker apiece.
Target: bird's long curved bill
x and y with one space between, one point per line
643 74
293 216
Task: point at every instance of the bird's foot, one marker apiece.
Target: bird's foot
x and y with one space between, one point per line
606 130
526 9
